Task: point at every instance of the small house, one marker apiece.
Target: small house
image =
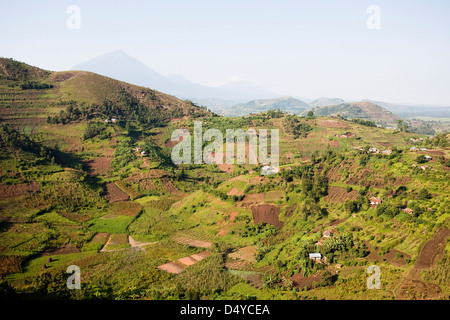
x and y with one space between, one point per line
414 149
374 201
424 167
428 158
327 233
408 211
387 152
373 150
317 257
143 153
138 149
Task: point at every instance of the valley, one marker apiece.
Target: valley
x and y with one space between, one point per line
86 179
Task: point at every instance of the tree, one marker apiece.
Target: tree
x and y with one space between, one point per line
310 114
424 194
421 159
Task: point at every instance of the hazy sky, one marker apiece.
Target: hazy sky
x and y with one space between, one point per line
301 48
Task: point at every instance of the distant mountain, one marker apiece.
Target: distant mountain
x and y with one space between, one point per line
359 110
414 110
121 66
322 102
287 104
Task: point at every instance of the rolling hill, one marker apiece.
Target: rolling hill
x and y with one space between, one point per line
358 110
50 93
286 104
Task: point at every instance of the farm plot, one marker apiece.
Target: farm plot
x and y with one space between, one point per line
114 194
340 195
18 190
267 214
178 266
99 166
183 238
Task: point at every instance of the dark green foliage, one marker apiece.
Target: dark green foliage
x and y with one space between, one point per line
277 113
12 140
421 159
35 85
123 155
367 123
95 129
295 127
424 194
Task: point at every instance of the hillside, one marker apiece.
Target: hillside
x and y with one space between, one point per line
286 104
105 196
358 110
50 93
322 102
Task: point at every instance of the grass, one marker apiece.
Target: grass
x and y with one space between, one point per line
111 224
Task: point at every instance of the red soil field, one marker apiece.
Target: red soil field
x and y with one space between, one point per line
235 192
170 187
18 190
267 214
100 165
64 249
114 194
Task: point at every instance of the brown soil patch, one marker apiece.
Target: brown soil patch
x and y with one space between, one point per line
222 232
114 194
100 165
417 290
170 144
267 214
170 187
64 249
229 168
172 267
334 143
236 264
339 194
182 263
188 261
10 264
253 198
182 239
235 192
245 253
333 124
126 208
18 190
259 179
433 249
412 287
299 281
233 215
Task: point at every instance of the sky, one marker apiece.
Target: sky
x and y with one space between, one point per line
398 53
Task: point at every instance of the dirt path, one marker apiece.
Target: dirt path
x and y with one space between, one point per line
131 241
413 287
138 244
